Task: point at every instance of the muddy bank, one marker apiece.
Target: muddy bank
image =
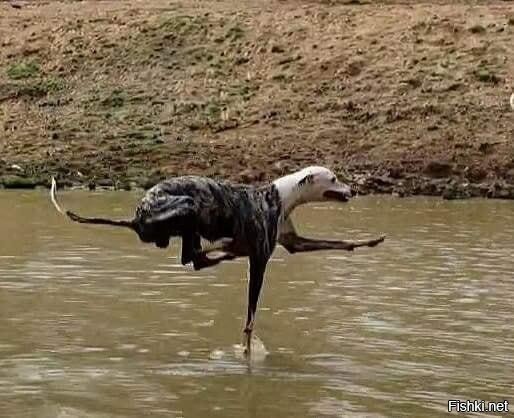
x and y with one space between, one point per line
366 182
405 99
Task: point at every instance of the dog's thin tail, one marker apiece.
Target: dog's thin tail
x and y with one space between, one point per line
74 217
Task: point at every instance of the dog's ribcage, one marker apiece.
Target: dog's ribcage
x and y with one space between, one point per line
250 215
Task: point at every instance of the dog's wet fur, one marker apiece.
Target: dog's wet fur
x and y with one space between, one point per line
195 207
245 220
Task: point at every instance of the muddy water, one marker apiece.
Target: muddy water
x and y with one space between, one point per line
95 324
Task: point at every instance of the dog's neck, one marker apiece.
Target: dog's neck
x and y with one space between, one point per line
290 194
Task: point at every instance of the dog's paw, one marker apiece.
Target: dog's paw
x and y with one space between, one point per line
377 241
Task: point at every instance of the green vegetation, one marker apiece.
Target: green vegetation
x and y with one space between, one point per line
23 70
36 88
486 76
17 182
183 24
114 100
234 33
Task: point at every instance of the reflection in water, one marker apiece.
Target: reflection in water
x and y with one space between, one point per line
95 324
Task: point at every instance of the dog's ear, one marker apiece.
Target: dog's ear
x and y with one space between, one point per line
308 179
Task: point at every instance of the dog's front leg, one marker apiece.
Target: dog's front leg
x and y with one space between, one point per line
294 243
256 271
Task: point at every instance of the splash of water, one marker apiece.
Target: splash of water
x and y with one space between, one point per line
258 351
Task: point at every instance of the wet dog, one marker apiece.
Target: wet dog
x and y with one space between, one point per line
241 220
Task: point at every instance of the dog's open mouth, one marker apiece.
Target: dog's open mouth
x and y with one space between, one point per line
335 195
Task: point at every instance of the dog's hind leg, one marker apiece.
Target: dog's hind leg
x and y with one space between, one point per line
201 261
192 252
229 248
221 244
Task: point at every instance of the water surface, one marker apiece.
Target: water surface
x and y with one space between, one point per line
95 324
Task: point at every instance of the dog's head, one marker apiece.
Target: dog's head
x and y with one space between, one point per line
312 184
318 184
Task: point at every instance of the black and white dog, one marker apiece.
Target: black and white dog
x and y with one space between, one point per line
241 220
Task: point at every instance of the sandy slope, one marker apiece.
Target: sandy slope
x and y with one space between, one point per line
134 91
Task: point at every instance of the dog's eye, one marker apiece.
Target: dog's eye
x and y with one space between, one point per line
333 180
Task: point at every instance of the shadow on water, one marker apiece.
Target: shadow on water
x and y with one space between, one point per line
95 324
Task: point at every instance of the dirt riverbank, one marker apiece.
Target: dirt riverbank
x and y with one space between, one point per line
409 98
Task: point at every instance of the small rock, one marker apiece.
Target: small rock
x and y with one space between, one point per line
485 147
383 181
124 185
399 192
476 174
16 167
438 169
105 183
396 173
477 29
510 174
504 194
456 191
247 176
